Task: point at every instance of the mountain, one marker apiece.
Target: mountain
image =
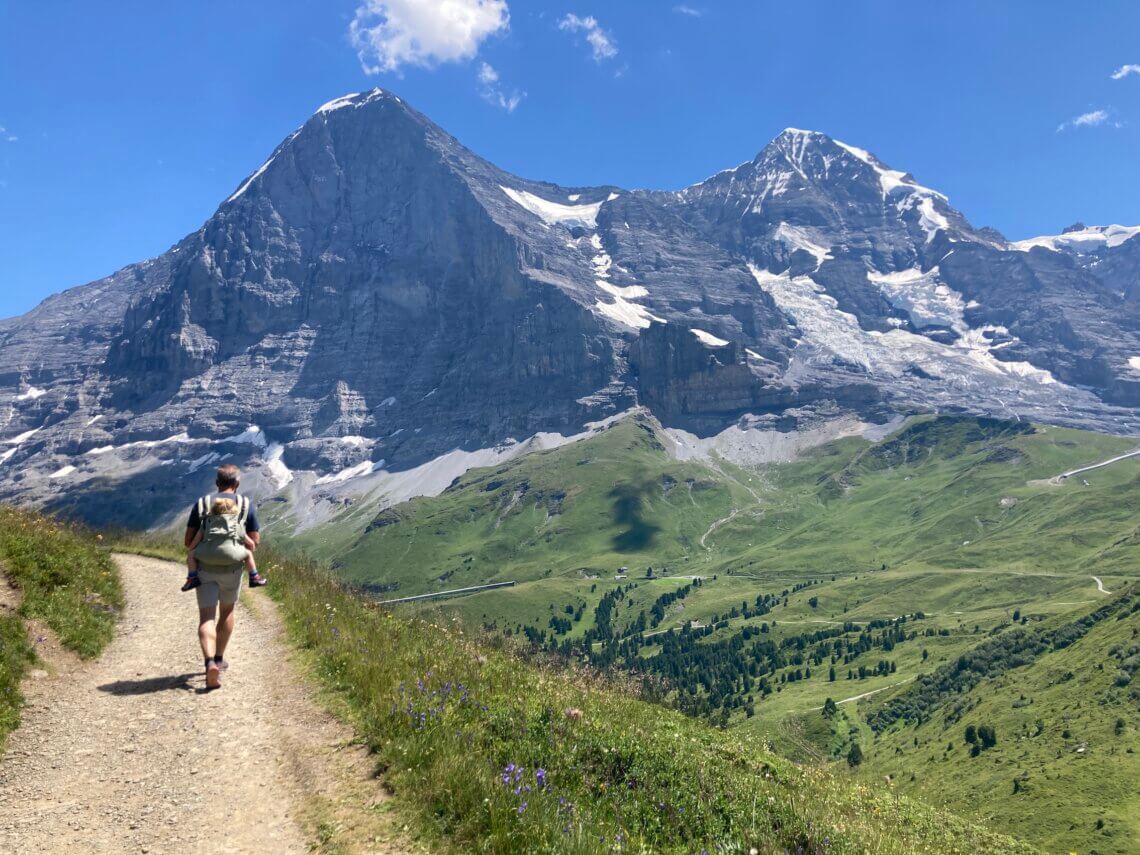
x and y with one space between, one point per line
376 309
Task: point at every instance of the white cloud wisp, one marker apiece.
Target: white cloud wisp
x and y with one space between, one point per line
602 43
1090 119
491 92
1125 70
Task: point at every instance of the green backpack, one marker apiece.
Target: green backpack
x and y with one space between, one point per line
223 535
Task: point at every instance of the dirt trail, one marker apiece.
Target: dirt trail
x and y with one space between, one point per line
129 754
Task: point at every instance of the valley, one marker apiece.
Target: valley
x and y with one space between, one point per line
751 595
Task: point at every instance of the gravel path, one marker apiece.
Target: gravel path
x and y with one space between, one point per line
129 754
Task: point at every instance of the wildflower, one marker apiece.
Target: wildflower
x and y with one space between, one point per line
540 777
521 808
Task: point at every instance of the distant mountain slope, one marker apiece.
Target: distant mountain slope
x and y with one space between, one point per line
1067 720
948 493
375 297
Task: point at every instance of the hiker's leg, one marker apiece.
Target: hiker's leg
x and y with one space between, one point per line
225 627
208 631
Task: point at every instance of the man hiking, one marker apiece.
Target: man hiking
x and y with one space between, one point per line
220 583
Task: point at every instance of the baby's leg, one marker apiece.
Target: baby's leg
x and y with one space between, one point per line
250 564
192 580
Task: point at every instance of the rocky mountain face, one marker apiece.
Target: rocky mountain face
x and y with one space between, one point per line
376 308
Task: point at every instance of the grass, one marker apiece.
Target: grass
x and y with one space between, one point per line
1067 733
461 731
65 578
16 657
66 581
952 516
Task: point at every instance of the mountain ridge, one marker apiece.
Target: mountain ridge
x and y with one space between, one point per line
375 295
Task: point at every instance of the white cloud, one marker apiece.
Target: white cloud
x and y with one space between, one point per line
388 34
688 10
492 93
487 75
1090 119
601 43
1125 70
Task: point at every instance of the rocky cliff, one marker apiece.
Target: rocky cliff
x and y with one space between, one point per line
376 308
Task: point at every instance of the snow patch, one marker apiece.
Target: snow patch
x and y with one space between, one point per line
252 435
1085 240
889 179
348 474
24 437
350 100
7 454
708 339
195 464
92 420
928 301
798 238
622 310
261 169
278 472
837 336
178 438
356 441
1134 363
555 212
627 313
387 402
62 472
31 394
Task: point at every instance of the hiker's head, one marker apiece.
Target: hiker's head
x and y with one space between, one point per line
223 507
229 477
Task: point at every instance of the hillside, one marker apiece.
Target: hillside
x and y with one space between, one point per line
1067 725
752 594
505 755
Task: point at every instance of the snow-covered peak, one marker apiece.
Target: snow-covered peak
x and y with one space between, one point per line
1087 239
354 99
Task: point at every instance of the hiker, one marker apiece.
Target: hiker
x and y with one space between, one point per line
221 540
218 584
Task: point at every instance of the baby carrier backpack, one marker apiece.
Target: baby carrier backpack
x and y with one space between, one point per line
223 535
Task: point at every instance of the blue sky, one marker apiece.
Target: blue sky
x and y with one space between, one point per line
125 124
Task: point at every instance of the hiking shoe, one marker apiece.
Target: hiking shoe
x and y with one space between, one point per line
256 580
191 583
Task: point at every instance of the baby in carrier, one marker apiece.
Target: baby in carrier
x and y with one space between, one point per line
221 541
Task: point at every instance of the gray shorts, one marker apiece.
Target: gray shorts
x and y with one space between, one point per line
219 584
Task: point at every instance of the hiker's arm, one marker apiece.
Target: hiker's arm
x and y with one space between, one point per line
254 536
188 541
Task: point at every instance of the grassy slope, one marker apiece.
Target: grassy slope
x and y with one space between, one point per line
926 504
447 717
66 581
590 507
1062 792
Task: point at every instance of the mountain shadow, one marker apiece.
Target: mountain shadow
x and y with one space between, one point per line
628 503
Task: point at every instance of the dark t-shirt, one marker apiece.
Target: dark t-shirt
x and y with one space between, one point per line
251 523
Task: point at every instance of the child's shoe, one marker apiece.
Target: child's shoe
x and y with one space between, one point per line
192 582
256 580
